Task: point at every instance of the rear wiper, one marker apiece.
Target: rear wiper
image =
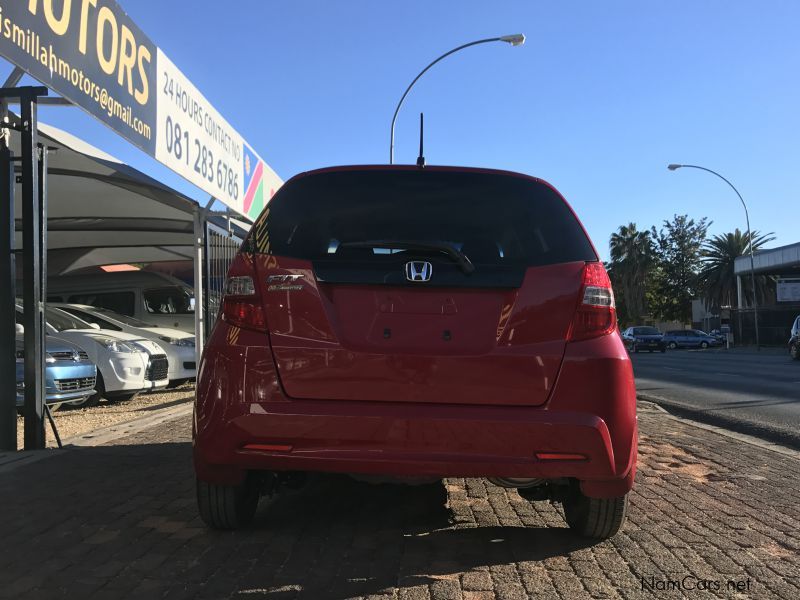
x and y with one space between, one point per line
457 255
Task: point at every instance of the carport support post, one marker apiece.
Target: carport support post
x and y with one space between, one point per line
200 216
33 229
8 277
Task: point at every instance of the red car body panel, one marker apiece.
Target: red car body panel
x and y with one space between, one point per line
467 382
344 342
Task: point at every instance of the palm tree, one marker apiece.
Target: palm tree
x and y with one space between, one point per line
631 262
716 274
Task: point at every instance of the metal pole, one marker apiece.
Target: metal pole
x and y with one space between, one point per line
199 320
41 274
33 304
8 277
200 215
421 73
750 240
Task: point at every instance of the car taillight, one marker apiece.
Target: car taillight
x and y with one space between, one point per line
241 306
596 314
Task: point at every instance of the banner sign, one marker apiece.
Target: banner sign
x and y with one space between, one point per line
93 54
788 290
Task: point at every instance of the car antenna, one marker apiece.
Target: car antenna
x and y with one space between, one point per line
421 157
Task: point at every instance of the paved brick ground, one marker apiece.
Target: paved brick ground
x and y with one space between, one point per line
119 521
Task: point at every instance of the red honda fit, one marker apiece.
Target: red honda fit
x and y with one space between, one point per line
417 323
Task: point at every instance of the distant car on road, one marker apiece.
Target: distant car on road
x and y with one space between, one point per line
689 338
643 338
794 341
718 335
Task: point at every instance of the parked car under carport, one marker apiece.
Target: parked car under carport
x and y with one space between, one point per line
70 376
643 337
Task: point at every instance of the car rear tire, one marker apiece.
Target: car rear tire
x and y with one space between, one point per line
673 346
597 518
227 506
794 351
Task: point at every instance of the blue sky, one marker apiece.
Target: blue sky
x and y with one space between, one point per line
600 98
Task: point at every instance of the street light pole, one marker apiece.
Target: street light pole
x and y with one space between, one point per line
673 167
515 40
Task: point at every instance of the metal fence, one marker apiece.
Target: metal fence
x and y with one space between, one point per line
774 324
220 249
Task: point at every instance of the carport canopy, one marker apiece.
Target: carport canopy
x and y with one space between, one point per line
101 211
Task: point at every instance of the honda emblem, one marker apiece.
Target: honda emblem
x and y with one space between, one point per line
418 270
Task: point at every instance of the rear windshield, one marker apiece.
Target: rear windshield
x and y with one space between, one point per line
494 219
646 331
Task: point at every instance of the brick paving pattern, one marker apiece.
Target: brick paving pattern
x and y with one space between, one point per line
119 521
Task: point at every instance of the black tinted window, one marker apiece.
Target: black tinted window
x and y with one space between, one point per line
121 302
492 218
647 331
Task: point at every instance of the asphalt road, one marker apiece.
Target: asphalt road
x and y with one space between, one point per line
756 393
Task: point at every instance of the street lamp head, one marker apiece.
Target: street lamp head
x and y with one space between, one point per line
673 167
515 40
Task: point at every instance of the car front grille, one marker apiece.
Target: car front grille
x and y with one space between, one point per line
75 385
69 355
158 367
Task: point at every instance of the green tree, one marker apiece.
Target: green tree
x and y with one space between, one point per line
632 259
716 273
676 282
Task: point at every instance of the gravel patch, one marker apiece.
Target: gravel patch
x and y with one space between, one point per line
75 421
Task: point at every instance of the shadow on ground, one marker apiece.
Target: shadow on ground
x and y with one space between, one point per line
121 520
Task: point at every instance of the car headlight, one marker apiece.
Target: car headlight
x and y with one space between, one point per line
183 342
115 345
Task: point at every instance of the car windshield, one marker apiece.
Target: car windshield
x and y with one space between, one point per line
124 319
61 320
168 301
647 331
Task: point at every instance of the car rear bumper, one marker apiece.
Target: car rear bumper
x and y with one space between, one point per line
650 345
413 440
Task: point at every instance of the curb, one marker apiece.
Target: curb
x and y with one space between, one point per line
104 435
740 431
10 461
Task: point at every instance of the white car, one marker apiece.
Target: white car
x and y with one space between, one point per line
151 297
126 364
178 345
